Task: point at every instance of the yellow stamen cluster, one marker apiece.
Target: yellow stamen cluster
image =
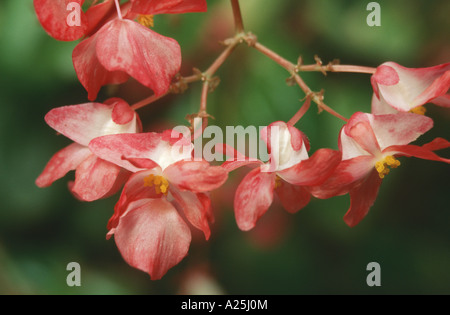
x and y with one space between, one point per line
278 182
420 110
382 166
161 184
146 20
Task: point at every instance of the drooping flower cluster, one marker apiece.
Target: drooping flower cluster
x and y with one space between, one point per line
115 46
148 230
287 173
369 145
164 186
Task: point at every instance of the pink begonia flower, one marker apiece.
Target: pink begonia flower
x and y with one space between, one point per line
149 232
287 173
115 47
94 178
369 145
405 89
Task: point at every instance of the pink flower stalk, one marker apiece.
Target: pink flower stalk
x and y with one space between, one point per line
148 230
369 145
94 178
115 47
287 174
405 89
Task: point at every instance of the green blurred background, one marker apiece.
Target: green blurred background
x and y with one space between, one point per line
312 252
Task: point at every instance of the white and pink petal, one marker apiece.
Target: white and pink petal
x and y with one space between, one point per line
125 149
366 134
84 122
363 134
400 128
152 237
285 144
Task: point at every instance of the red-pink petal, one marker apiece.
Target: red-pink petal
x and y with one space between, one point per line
91 73
230 152
443 100
94 179
232 165
62 162
436 144
168 6
346 175
254 196
54 16
421 152
362 197
98 14
385 75
196 176
313 171
141 163
235 159
122 112
84 122
196 207
438 88
187 6
152 7
296 137
153 237
364 135
150 58
292 197
121 180
133 190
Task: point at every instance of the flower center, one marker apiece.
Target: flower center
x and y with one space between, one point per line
278 182
420 110
382 166
161 184
146 20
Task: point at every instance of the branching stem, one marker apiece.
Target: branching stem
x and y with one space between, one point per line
238 22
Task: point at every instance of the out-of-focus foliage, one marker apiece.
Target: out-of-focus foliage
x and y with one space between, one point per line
407 230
